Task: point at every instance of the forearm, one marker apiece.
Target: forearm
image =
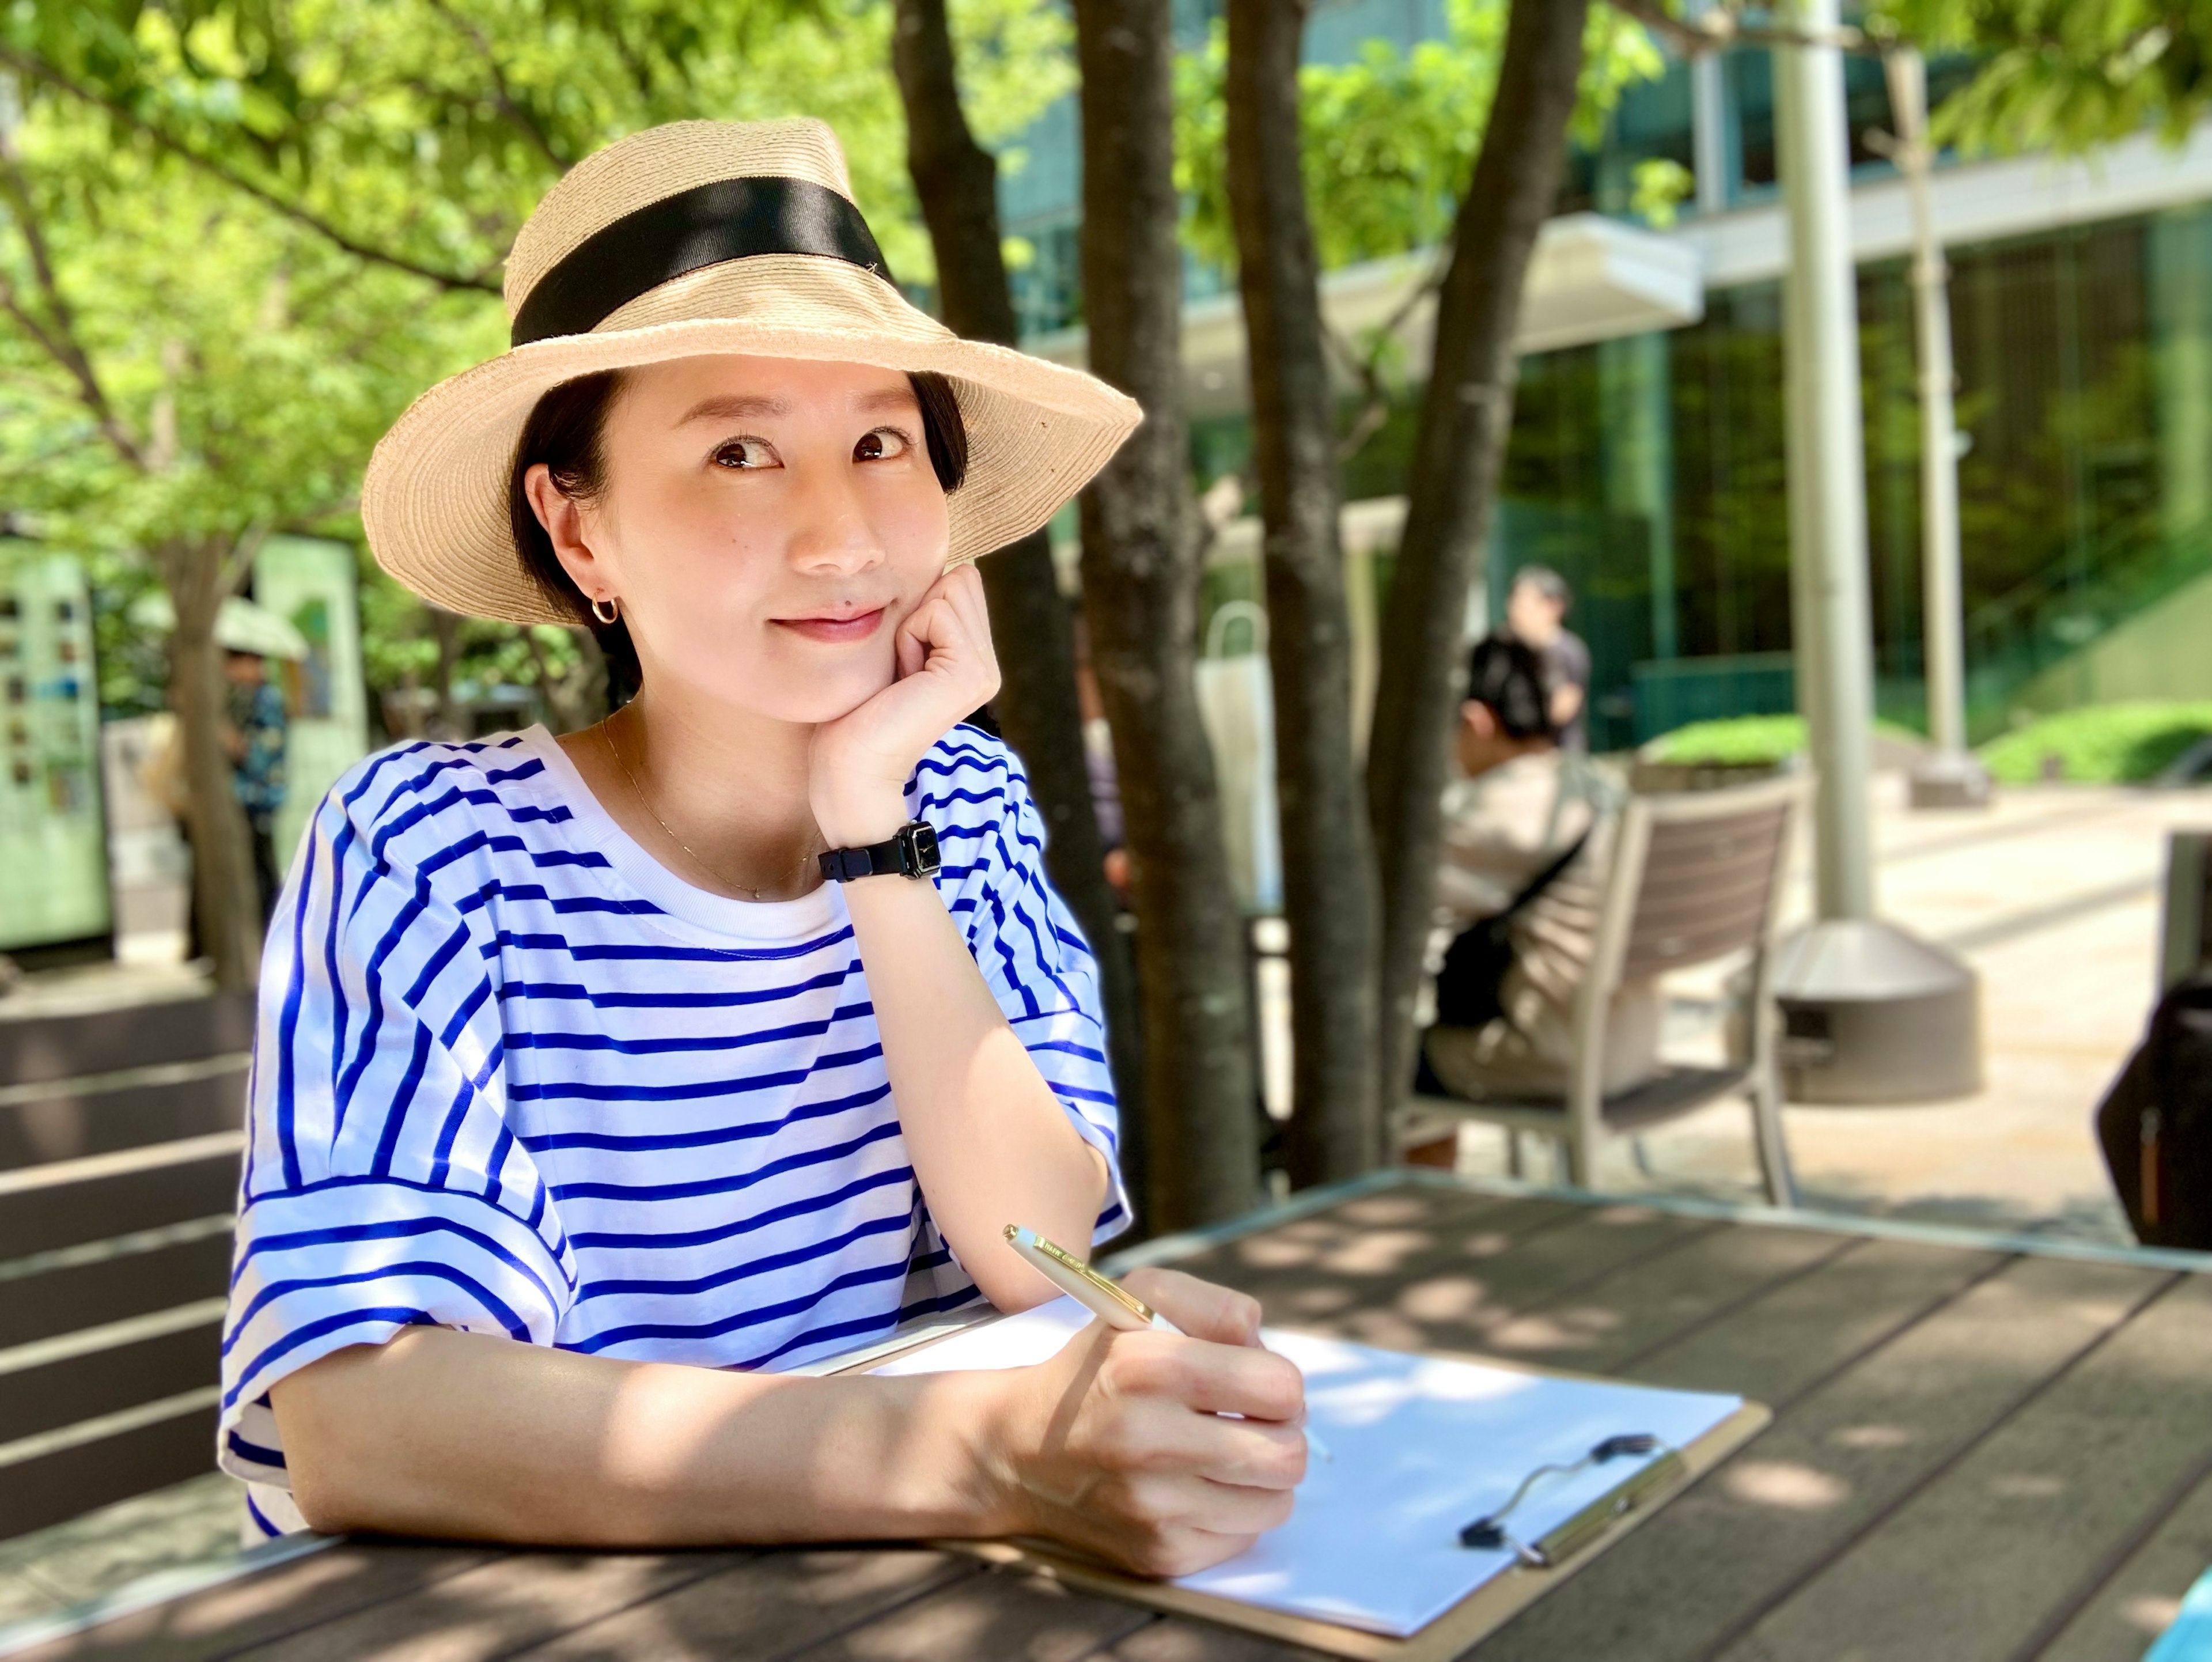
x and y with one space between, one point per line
461 1436
990 1142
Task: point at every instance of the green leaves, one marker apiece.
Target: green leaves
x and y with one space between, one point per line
1390 138
2063 75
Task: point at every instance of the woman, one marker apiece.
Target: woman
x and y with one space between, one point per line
574 1042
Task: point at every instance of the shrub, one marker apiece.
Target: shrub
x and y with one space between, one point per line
2100 743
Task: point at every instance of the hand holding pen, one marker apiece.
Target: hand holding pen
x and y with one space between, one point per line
1106 1298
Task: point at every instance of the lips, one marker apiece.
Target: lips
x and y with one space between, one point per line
857 627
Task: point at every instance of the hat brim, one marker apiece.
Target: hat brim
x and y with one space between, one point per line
435 500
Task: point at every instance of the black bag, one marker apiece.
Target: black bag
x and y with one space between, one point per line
2156 1122
1470 986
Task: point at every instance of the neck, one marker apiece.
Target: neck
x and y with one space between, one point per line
718 794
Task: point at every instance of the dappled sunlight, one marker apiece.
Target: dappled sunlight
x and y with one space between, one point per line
1445 1299
1785 1486
1871 1437
2027 1486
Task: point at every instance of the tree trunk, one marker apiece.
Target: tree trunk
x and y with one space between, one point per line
1459 451
226 896
1329 868
956 180
1140 585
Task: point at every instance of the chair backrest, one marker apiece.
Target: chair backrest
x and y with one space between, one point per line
120 1139
1698 875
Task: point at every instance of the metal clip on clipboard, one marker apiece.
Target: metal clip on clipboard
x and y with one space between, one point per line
1565 1540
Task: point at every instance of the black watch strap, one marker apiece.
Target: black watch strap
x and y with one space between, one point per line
911 853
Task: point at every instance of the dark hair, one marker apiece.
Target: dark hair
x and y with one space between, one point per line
1547 583
566 432
1506 676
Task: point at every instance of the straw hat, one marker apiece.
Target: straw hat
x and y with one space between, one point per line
697 238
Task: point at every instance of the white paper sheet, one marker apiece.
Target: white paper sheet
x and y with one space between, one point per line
1423 1446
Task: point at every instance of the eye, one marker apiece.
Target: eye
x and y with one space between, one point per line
882 444
745 456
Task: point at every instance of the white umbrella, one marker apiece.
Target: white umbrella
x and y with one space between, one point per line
240 625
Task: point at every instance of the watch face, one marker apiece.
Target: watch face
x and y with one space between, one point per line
921 838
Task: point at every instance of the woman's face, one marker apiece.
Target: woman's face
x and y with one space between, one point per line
766 525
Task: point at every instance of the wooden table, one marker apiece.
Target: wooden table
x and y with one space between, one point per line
1981 1453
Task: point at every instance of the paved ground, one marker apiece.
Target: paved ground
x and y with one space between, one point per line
2053 896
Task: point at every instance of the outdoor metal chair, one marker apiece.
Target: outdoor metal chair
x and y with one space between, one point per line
1696 876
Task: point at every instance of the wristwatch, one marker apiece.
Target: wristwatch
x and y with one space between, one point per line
911 853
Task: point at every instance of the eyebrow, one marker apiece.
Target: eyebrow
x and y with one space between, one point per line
738 406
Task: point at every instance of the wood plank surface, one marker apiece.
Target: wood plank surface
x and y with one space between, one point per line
79 1388
998 1614
1972 1569
1832 1469
1978 1457
53 1487
1803 1330
129 1284
1648 1303
70 1125
73 1213
1175 1639
2141 1596
505 1603
271 1605
35 1049
774 1605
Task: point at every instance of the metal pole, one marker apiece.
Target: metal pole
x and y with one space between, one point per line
1826 460
1950 778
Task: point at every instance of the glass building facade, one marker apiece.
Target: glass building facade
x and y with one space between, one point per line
1649 469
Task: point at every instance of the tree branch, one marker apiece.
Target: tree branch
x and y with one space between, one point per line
38 69
502 95
1367 366
59 341
1720 28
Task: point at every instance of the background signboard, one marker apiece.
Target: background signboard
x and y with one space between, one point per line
53 853
314 584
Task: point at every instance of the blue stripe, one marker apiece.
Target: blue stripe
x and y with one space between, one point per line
288 1023
313 1330
496 1306
255 1452
557 1055
590 1090
397 1229
725 1185
738 1321
676 1241
260 1521
694 1285
712 1136
635 952
633 1001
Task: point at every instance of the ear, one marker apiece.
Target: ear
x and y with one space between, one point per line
562 516
1480 719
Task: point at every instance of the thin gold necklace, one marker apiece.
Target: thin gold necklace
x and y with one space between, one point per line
606 737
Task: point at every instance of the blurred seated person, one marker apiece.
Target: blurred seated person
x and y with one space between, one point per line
1527 845
1536 608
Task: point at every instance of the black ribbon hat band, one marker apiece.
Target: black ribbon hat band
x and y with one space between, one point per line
728 219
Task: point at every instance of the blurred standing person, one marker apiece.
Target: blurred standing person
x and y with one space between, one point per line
1536 609
255 737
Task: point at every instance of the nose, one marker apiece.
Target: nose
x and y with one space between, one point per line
829 533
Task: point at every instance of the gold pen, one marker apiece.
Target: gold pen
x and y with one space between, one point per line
1104 1297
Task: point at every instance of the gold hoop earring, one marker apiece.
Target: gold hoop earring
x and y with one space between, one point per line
613 613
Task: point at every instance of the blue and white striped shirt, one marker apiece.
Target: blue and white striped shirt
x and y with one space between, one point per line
513 1076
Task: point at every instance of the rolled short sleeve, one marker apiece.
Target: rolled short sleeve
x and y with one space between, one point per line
1033 956
383 1187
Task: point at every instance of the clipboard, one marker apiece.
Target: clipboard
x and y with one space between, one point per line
1489 1607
